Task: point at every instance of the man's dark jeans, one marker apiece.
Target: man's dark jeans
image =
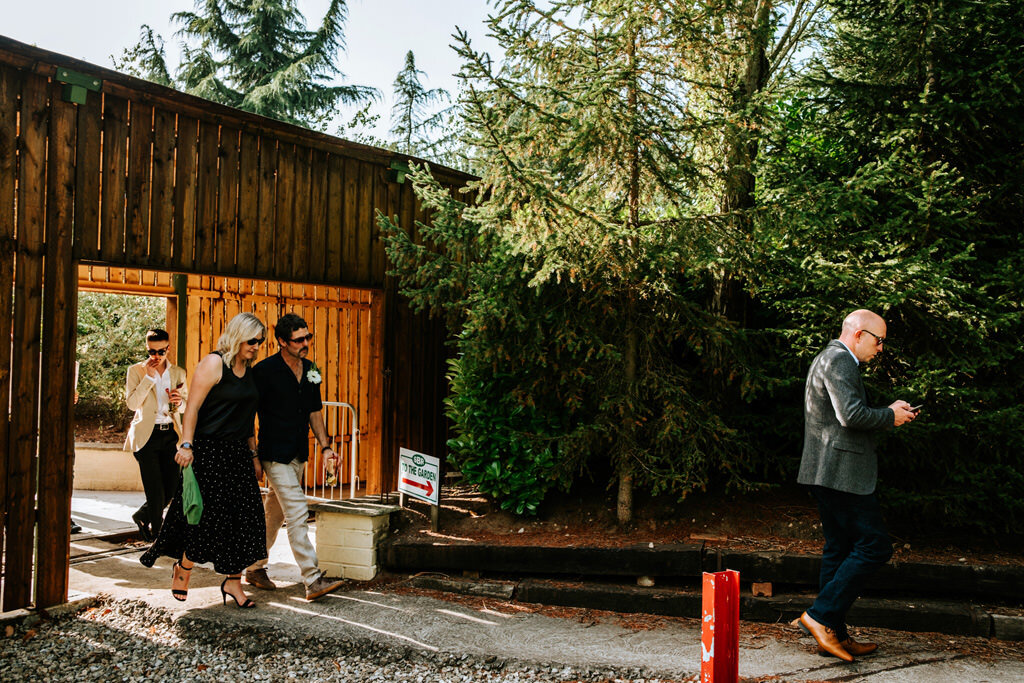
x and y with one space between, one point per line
856 545
161 476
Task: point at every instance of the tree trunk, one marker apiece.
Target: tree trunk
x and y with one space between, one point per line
624 509
741 148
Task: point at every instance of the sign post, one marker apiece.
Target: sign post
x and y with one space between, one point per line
720 627
419 477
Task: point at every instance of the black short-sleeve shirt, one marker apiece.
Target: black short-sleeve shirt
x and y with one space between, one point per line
284 409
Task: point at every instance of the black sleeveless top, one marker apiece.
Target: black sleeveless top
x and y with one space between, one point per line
229 410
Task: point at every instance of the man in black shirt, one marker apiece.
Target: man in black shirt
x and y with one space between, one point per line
289 405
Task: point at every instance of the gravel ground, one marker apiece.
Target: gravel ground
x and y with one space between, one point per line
130 641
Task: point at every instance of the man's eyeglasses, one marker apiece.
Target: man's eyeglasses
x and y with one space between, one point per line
878 340
255 341
157 352
299 340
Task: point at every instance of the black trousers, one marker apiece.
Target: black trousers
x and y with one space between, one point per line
160 474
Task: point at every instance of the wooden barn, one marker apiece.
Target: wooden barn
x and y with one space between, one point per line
111 183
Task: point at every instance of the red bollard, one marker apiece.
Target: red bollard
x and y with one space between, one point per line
720 628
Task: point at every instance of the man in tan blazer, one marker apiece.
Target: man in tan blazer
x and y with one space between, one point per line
155 390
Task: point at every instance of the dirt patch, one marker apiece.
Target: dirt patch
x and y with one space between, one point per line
91 428
784 521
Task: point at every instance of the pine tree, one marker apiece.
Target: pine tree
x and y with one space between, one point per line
257 55
895 181
415 116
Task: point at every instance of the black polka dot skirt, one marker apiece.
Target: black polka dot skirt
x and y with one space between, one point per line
232 532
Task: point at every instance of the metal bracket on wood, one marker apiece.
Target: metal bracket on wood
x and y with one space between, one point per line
76 85
398 172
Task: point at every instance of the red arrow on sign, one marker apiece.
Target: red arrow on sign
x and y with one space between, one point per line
428 487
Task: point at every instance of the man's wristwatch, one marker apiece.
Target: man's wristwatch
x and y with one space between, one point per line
187 445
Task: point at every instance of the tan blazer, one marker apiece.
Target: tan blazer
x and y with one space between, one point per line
140 394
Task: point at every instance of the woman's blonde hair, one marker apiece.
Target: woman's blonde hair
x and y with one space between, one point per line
242 327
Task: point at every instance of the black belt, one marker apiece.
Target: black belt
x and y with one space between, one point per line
165 426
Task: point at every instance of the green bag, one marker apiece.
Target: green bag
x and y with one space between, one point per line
191 499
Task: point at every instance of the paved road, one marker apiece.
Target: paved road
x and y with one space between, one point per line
411 623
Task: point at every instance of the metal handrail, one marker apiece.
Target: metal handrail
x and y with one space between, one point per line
353 472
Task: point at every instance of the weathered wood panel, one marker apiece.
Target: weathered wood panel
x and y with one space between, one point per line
10 90
185 193
227 201
140 157
161 226
206 199
248 201
113 179
267 221
88 159
56 435
284 235
28 280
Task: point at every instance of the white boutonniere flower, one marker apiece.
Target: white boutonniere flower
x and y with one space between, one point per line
313 376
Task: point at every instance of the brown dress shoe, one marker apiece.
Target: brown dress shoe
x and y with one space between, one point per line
321 587
858 649
825 637
259 578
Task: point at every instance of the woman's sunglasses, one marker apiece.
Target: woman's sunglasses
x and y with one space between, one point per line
255 341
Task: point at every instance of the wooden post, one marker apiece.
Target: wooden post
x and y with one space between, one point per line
720 627
180 283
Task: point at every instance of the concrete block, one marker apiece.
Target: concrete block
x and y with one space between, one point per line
348 571
337 523
359 573
105 467
363 539
342 555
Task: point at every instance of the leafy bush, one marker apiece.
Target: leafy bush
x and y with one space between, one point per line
111 337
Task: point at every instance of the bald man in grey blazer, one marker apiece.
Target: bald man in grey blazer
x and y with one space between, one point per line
840 467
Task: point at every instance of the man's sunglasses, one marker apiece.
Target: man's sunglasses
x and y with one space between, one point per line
255 341
299 340
157 352
878 340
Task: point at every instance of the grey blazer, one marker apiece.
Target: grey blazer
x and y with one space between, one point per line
840 429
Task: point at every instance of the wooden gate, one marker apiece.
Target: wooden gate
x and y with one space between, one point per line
143 177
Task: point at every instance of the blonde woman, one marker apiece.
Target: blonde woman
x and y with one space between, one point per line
217 440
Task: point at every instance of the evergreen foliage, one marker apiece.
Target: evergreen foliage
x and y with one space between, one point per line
256 55
635 158
415 116
895 181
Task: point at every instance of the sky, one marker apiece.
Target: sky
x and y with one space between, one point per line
378 34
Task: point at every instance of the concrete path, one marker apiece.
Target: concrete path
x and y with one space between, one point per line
414 623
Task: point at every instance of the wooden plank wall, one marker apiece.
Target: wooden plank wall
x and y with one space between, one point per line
143 177
37 170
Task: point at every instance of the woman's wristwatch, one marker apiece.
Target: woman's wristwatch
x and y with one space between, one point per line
187 445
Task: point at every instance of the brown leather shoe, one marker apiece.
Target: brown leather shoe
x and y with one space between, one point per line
825 637
854 648
260 579
321 587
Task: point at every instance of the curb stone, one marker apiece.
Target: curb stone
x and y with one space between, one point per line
901 615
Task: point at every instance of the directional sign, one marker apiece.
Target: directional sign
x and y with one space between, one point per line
418 475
